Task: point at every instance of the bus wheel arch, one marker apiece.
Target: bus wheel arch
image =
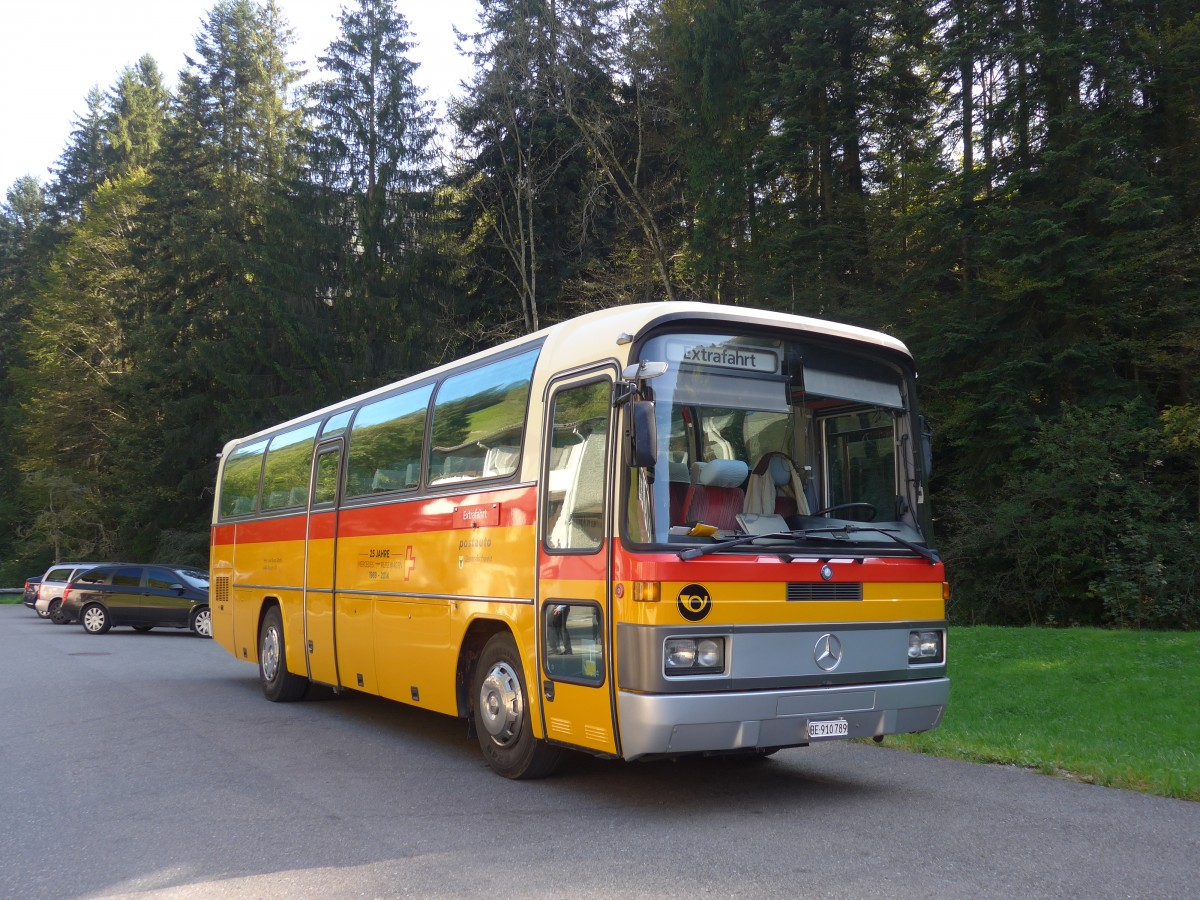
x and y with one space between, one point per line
479 632
500 707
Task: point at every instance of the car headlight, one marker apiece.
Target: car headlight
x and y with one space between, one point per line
694 656
925 647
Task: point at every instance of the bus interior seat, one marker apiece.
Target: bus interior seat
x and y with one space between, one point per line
717 497
775 486
459 468
500 461
679 481
388 480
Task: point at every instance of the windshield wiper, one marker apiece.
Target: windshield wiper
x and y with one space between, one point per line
929 554
806 534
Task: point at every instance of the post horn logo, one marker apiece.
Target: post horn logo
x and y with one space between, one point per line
694 603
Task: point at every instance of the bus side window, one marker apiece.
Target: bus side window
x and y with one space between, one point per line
479 420
239 482
325 489
285 475
386 442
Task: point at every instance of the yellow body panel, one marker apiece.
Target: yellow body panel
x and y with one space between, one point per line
763 603
581 714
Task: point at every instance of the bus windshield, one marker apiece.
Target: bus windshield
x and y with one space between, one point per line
764 435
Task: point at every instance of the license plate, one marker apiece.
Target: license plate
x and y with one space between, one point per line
833 728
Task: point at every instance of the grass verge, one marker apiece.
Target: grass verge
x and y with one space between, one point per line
1117 708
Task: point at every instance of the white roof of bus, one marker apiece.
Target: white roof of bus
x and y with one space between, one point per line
609 325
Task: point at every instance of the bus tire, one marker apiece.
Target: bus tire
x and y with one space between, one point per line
500 703
278 684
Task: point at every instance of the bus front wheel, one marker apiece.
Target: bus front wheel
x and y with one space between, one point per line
502 715
278 684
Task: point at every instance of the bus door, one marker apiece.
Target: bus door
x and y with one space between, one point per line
320 559
574 631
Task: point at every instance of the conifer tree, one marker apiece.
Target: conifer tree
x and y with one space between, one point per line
522 178
136 117
226 342
81 167
372 170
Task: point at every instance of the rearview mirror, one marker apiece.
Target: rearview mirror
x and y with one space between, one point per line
643 434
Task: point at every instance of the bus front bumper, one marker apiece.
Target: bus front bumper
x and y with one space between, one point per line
748 720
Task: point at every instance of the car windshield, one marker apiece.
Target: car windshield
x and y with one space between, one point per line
760 436
195 577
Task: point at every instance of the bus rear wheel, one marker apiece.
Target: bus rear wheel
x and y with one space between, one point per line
278 684
501 710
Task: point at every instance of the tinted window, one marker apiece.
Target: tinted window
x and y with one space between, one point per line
100 576
478 421
59 575
385 444
285 475
161 579
239 483
130 576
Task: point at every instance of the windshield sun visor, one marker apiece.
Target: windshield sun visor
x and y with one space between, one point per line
852 387
764 393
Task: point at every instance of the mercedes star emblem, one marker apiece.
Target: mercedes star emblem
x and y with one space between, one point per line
828 652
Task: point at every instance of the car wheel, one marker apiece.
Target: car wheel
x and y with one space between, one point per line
278 684
95 619
502 714
42 613
54 612
142 628
202 622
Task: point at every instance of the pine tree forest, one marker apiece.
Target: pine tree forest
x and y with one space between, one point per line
1011 187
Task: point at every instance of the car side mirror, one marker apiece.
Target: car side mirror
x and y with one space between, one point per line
177 588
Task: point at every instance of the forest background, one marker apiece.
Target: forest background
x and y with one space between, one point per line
1012 187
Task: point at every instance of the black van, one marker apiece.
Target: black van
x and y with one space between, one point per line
145 597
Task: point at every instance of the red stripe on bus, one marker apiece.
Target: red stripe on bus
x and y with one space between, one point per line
287 528
517 507
574 567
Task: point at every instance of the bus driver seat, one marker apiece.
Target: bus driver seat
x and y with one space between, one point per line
775 487
716 497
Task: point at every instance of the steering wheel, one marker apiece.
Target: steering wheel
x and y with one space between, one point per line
868 506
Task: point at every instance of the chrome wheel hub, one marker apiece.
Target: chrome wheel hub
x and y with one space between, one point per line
269 653
500 705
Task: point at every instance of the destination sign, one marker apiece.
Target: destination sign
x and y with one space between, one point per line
726 356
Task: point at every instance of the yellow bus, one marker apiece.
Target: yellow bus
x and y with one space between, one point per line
650 531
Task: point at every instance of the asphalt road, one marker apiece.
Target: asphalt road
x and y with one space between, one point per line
150 766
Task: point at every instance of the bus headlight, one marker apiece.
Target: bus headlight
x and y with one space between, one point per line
925 647
694 656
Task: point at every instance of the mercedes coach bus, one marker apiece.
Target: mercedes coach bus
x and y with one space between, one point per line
654 530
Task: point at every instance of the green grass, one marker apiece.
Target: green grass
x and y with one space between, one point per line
1117 708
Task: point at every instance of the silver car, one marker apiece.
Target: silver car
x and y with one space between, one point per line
54 582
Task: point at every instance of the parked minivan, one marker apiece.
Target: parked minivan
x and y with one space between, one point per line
144 596
50 591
